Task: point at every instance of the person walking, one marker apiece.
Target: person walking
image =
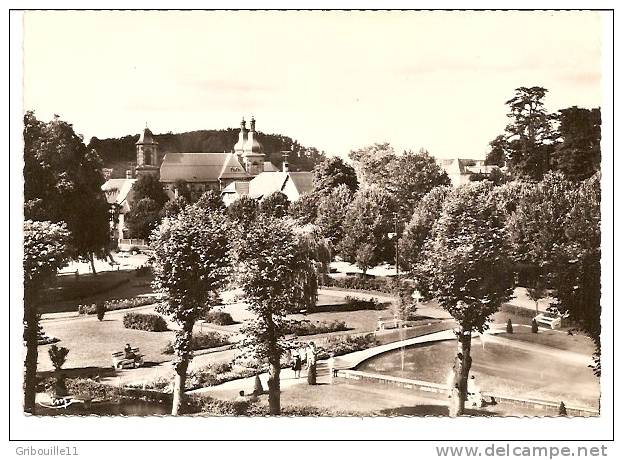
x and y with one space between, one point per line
296 365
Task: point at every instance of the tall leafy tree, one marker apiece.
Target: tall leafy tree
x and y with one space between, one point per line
174 207
331 212
275 205
62 180
410 176
367 224
211 200
143 218
45 251
191 264
148 186
243 212
578 156
529 135
577 264
466 268
497 154
277 274
304 210
407 177
183 190
332 173
419 228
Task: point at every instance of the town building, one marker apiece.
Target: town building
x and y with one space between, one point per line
460 170
243 171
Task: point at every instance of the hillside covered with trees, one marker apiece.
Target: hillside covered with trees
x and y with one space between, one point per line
119 153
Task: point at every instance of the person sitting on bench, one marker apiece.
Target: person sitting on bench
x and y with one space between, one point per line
129 353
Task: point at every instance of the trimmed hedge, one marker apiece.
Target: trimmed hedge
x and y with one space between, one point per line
221 318
201 342
352 304
386 285
144 322
349 344
306 327
115 304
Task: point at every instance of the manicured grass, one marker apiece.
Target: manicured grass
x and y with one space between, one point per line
69 291
91 342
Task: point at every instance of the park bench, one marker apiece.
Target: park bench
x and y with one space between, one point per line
552 320
119 361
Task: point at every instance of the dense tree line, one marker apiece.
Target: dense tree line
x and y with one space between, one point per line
535 141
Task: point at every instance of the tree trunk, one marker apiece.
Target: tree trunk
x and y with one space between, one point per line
274 386
91 259
536 303
184 354
31 330
462 365
179 387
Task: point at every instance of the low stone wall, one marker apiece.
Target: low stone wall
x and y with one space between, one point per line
549 407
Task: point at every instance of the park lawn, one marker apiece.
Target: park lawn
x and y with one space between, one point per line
69 291
577 342
91 342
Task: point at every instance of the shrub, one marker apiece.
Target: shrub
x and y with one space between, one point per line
221 318
210 406
385 285
562 409
535 326
101 311
88 389
115 304
509 326
144 322
201 342
306 327
143 270
352 304
58 356
349 344
135 250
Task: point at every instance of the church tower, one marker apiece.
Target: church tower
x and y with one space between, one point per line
147 161
252 151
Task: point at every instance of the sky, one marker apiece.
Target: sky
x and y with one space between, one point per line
336 81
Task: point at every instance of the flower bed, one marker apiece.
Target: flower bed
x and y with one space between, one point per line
202 341
116 304
306 327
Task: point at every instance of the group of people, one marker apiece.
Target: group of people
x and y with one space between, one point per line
306 356
302 355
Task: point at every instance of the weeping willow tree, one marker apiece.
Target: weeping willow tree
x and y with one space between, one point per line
277 272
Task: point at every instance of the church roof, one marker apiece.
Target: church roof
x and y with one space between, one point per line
303 181
200 167
266 183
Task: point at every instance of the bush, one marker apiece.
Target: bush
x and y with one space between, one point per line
88 389
201 342
535 326
210 406
144 322
306 327
509 326
101 311
143 270
562 409
221 318
58 356
352 304
115 304
385 285
135 250
349 344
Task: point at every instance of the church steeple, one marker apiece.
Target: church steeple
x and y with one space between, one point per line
147 161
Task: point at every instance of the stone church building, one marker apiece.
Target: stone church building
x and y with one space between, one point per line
243 171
